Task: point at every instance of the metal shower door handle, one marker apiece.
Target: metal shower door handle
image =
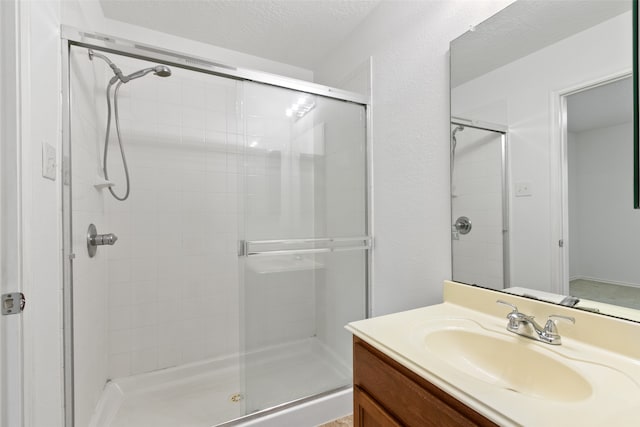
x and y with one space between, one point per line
94 240
463 225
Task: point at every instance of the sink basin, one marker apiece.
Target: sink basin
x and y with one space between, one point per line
511 364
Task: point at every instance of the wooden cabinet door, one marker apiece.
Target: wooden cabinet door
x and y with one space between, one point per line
367 413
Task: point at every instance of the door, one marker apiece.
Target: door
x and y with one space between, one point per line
304 268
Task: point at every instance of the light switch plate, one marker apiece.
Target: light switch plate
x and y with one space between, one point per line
49 164
523 189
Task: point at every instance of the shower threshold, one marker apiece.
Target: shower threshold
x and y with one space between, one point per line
212 392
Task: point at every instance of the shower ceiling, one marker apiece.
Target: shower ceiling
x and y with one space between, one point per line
299 33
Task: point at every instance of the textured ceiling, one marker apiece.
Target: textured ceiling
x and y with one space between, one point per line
295 32
603 106
523 28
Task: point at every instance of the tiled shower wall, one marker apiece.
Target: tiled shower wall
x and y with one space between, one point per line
90 284
173 273
477 194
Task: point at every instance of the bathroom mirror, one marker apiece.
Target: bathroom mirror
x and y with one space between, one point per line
542 137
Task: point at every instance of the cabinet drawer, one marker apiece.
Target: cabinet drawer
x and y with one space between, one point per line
406 396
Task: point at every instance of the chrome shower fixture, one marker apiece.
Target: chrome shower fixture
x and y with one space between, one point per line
120 78
459 128
158 70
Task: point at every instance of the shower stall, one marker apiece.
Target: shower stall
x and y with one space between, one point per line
479 204
218 290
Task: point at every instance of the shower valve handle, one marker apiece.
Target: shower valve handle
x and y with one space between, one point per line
94 240
104 239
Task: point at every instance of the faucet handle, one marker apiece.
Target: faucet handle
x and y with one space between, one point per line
551 328
550 332
515 309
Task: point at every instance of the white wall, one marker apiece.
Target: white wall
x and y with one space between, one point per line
604 237
408 42
41 216
87 15
524 88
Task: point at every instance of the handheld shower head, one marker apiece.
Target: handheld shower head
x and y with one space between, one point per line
162 71
158 70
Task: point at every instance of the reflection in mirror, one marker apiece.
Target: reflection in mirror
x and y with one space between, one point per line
478 204
553 217
602 257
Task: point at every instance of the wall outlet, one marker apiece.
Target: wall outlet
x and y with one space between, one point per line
49 164
523 189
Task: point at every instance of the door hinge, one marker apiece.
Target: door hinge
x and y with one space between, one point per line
13 303
561 243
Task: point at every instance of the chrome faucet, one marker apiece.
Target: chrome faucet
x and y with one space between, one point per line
525 325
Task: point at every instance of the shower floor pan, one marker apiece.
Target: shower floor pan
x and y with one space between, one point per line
207 393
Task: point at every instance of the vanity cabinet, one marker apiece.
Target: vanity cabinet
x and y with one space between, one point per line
387 394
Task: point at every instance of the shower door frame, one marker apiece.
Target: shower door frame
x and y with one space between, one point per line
504 155
71 36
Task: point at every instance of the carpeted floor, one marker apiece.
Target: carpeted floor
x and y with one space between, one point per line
625 296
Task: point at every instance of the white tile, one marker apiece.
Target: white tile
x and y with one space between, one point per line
169 356
216 161
215 97
168 313
119 365
194 118
192 330
144 337
119 270
119 294
144 315
216 121
192 351
144 269
120 341
193 93
169 91
215 182
193 181
144 360
168 133
169 115
120 318
193 135
216 139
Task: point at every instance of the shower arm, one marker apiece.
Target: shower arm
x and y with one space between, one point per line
117 71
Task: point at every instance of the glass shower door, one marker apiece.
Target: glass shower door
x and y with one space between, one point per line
478 206
305 242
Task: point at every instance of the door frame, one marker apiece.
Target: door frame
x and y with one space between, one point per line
11 326
559 179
